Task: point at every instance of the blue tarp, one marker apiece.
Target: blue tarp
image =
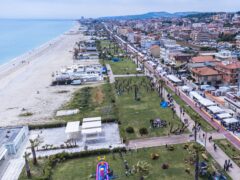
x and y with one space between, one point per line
164 104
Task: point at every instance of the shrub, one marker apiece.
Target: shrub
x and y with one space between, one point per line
154 156
143 131
165 166
130 130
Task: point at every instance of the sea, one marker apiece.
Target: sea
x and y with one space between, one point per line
20 36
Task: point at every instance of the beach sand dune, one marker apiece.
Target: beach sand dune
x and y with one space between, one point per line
19 85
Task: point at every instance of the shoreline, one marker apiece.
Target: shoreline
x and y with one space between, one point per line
27 87
28 56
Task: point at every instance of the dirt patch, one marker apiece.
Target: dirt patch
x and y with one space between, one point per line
98 96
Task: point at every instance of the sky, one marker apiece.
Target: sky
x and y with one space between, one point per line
73 9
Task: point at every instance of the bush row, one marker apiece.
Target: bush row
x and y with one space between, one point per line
53 160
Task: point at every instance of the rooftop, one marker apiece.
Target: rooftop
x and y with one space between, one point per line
229 64
205 71
200 59
8 134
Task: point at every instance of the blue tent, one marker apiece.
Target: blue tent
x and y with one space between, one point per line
115 59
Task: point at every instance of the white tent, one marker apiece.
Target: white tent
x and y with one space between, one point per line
206 102
72 129
230 121
215 109
224 115
174 79
194 94
186 88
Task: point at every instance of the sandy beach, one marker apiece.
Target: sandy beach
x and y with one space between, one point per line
20 81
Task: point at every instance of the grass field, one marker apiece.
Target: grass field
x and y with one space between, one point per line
230 150
92 102
137 114
125 66
194 115
178 160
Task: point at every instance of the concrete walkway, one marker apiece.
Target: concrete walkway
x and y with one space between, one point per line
158 141
110 74
129 75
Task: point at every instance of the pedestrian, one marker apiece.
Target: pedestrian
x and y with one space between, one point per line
210 139
215 147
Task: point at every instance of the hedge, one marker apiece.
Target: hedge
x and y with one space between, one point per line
53 160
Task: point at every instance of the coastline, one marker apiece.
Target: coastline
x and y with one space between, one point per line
28 56
20 84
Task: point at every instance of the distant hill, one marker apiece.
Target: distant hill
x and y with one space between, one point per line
151 15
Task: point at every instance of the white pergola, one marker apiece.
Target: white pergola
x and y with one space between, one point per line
72 129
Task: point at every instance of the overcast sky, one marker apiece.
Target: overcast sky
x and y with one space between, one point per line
98 8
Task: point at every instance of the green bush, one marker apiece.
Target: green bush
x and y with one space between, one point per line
130 130
143 131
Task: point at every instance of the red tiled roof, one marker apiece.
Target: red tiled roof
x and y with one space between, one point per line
231 65
200 59
205 71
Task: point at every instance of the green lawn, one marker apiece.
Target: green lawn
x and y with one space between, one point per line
92 101
137 114
178 160
205 125
229 149
125 66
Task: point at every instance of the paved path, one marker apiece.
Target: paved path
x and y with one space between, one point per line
110 74
158 141
129 75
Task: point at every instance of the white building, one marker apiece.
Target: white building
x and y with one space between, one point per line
13 137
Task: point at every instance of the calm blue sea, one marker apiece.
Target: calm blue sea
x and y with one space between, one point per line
20 36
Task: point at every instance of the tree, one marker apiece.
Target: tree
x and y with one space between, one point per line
27 167
161 84
142 168
33 144
136 92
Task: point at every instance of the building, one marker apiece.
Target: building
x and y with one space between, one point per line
230 71
200 36
203 59
238 41
206 75
11 138
224 55
155 51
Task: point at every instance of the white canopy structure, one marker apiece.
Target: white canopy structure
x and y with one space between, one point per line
194 94
206 102
72 129
174 79
230 121
224 115
186 88
215 109
3 153
91 125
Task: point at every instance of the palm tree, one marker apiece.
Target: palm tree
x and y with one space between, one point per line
142 168
27 167
33 144
161 84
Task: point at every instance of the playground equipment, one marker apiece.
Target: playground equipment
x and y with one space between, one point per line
102 172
